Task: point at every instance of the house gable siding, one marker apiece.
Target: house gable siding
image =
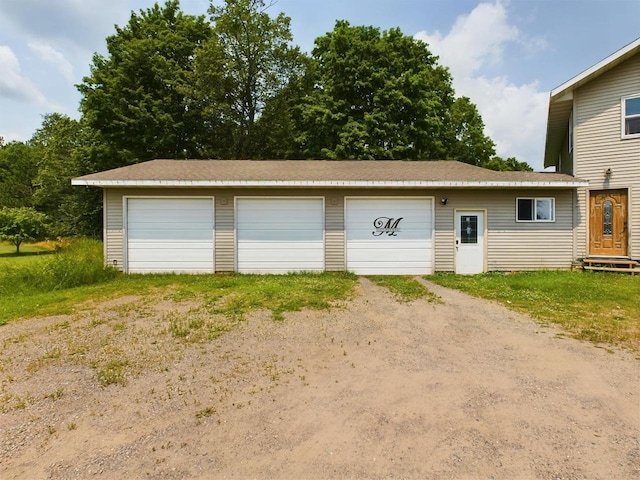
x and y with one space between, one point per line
599 145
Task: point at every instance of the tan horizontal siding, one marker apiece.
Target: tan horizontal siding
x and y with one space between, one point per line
511 245
114 237
224 233
445 238
334 233
520 250
599 145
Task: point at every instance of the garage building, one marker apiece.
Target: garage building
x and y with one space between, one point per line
369 217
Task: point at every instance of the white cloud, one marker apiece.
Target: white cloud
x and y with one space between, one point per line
475 40
514 115
50 55
13 84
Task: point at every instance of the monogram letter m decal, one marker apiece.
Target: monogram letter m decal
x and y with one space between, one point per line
386 225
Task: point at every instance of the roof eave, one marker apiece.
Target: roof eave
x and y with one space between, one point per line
333 183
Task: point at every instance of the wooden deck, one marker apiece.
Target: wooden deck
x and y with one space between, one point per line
611 264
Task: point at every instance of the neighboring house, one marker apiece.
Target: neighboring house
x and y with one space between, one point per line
593 132
369 217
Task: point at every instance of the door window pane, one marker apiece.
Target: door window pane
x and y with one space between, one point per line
607 217
469 229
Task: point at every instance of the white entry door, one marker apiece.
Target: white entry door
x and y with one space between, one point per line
469 242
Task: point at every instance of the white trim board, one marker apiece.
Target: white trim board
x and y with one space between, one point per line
333 183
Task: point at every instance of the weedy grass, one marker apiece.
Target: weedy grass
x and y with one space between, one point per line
598 307
404 288
60 283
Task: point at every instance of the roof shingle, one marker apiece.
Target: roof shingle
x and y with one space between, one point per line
312 171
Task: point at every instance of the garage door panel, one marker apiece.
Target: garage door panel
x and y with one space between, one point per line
403 235
187 214
170 255
389 235
298 215
292 255
170 235
279 235
289 246
387 255
167 267
281 267
292 237
178 236
390 269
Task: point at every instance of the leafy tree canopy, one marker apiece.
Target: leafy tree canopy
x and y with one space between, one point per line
244 65
137 97
383 95
506 164
18 171
22 224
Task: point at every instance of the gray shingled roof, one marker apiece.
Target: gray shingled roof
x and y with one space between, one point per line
230 171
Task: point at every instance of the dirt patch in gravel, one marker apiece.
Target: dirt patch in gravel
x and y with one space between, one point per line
377 389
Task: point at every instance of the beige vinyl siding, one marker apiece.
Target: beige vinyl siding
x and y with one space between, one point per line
334 232
599 145
224 233
113 229
444 236
511 245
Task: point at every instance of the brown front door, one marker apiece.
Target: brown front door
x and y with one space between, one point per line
608 223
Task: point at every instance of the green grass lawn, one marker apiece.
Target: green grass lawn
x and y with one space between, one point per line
405 288
599 307
65 281
28 252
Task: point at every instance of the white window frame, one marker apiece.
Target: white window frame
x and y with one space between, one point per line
625 116
535 201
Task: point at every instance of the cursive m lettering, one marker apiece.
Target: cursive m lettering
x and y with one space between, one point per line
386 225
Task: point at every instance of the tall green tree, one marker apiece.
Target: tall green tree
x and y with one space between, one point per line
246 64
378 95
18 171
138 97
56 142
68 148
469 142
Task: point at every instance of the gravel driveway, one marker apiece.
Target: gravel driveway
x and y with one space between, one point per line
373 389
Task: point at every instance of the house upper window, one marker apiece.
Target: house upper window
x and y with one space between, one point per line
535 210
631 116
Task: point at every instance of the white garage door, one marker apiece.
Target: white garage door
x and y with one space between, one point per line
391 236
170 235
279 235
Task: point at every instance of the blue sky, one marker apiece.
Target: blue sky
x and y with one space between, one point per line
506 55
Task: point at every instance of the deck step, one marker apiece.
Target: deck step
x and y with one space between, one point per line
608 264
